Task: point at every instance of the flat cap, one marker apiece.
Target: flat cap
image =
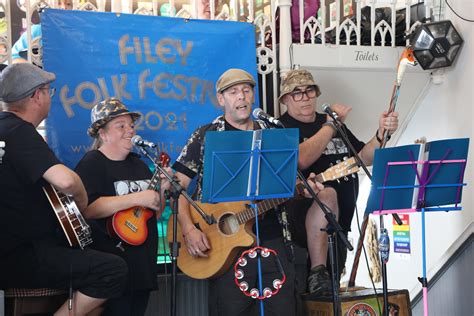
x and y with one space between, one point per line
18 81
297 78
232 77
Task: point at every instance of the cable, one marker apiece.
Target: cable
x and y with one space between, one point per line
417 12
439 13
165 254
462 18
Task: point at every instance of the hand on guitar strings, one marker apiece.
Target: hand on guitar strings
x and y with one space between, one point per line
149 199
316 186
196 242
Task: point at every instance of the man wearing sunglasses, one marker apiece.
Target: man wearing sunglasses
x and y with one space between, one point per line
320 147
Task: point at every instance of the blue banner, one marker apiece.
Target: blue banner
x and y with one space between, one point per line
165 68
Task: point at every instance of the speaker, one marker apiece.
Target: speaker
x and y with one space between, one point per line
436 45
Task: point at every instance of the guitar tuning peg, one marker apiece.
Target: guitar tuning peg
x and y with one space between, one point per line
346 179
338 181
345 158
353 176
331 164
338 161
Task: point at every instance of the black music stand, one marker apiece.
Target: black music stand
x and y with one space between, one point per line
418 178
250 165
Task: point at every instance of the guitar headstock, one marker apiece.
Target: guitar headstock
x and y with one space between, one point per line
164 159
340 170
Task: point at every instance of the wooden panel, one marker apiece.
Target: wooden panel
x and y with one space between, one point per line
359 302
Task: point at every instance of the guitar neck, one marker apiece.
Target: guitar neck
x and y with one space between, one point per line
342 169
154 182
320 178
264 206
155 179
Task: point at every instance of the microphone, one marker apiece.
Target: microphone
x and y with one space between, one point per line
259 114
137 140
326 107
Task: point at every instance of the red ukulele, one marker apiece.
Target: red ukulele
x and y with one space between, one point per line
130 224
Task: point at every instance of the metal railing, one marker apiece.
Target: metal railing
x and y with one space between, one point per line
342 28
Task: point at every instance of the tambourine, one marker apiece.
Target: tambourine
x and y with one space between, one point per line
240 274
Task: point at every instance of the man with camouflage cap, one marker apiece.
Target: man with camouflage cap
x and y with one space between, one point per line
235 93
33 252
320 146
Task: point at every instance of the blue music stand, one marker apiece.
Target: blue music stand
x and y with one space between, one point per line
250 165
419 178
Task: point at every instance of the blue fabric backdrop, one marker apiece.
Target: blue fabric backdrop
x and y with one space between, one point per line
165 68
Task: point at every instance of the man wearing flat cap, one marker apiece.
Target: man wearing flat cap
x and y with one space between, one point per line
235 94
321 146
34 252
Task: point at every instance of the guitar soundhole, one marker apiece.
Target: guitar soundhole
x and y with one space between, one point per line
228 224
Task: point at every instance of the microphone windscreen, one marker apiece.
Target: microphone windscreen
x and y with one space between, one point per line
256 113
325 107
136 139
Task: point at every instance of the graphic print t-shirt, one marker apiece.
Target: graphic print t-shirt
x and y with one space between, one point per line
105 177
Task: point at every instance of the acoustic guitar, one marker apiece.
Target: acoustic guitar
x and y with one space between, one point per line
73 224
233 229
130 225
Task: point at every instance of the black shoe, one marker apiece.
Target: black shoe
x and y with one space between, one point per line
319 281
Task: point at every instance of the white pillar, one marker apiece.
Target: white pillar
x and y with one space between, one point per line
285 35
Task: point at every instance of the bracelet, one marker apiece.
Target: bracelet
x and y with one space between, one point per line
378 138
332 125
192 228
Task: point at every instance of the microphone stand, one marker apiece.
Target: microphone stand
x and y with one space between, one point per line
332 227
338 124
174 193
341 131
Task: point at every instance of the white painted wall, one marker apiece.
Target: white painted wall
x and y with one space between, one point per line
444 112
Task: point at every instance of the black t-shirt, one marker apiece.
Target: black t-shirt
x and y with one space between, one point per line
347 189
105 177
25 213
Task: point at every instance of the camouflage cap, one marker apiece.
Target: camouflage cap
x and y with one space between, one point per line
105 111
296 78
232 77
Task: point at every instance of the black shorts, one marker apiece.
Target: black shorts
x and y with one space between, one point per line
48 263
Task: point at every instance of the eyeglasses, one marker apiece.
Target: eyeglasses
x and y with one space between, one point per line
298 94
51 91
